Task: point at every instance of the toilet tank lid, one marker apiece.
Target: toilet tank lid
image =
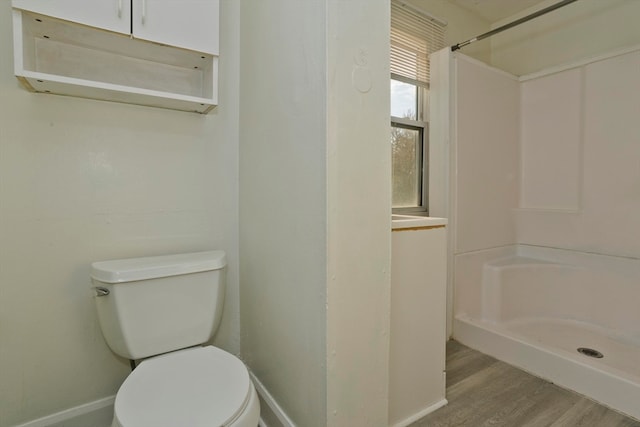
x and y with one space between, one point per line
133 269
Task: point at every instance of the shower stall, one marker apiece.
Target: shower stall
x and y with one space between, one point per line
539 176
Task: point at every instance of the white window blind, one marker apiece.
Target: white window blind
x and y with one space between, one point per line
413 37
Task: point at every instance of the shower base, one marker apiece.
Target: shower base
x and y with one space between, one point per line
547 348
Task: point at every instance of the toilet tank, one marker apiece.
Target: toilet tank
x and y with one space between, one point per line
153 305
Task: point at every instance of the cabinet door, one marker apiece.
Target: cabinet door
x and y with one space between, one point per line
189 24
112 15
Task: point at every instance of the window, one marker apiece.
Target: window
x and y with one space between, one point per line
408 147
413 37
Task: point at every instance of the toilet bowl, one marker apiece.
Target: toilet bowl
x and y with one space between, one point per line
198 387
161 310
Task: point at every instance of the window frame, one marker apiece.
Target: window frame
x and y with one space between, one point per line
422 125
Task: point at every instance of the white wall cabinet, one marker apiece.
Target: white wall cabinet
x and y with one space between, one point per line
161 53
184 23
112 15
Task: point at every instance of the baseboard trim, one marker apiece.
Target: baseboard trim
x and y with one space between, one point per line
88 414
271 402
418 415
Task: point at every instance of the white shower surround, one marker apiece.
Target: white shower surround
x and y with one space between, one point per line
544 243
536 306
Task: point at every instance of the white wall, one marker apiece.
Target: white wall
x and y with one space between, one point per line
579 30
315 207
283 199
84 180
461 25
359 212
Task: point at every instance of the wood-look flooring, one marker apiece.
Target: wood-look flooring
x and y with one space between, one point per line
483 391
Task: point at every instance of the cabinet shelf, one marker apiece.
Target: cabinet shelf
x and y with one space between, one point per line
61 57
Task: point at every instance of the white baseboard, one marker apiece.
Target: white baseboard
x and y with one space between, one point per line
415 417
98 413
271 403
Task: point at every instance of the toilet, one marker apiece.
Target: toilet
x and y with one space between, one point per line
160 311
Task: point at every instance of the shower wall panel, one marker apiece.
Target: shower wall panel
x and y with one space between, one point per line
551 141
486 155
582 148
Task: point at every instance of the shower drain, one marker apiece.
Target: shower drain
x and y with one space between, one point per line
590 352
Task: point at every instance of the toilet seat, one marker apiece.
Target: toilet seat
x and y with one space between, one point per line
197 387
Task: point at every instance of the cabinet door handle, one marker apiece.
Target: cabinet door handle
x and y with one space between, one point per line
144 11
119 8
